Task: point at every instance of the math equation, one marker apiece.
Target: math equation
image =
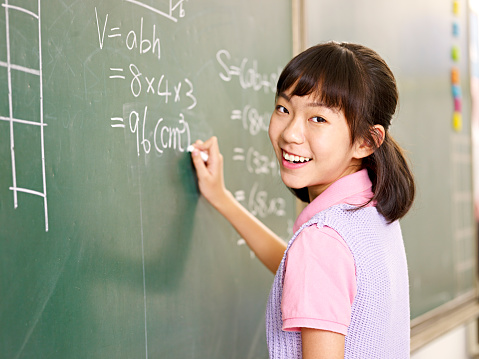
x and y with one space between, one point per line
146 86
152 133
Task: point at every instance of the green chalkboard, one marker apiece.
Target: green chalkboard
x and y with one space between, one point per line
106 248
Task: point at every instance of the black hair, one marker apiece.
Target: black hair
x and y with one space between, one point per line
356 80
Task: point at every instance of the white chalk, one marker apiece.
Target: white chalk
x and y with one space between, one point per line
204 155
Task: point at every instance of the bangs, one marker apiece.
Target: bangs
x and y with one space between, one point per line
333 76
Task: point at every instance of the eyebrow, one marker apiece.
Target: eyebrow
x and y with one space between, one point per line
310 104
286 97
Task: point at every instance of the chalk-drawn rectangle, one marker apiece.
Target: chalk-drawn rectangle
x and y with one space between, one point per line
22 29
28 161
25 96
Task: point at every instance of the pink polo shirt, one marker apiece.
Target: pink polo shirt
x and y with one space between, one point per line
320 277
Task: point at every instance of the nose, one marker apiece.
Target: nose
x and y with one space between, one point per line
294 131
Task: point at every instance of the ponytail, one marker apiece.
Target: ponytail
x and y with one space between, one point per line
393 182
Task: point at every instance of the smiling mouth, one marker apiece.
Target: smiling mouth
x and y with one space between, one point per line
295 159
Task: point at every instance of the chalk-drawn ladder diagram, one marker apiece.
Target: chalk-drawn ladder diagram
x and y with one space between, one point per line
12 69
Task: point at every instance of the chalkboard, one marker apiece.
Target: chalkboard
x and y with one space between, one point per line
106 248
417 40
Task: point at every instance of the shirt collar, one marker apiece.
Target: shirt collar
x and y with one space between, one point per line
354 189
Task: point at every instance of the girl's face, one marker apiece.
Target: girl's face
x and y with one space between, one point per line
312 143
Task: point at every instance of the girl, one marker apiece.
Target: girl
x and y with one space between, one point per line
341 285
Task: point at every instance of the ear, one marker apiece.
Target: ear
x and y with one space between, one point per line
363 147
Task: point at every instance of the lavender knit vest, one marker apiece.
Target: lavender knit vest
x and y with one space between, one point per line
380 312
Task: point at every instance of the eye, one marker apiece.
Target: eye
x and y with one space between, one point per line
317 119
281 109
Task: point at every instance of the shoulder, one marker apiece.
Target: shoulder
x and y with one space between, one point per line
320 246
318 236
349 220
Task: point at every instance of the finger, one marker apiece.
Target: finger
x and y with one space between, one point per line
200 165
210 151
211 147
208 144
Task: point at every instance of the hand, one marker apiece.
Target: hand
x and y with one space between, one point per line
210 173
267 246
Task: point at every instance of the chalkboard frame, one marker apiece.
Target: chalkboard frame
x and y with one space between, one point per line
441 320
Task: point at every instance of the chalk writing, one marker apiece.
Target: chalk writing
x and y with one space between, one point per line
150 135
256 162
247 73
259 203
174 137
252 121
163 135
159 86
117 122
135 39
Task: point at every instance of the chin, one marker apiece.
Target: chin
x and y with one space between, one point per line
291 182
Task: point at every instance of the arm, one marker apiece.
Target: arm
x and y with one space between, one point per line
321 312
321 344
266 245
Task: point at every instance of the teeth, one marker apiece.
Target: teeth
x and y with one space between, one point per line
293 158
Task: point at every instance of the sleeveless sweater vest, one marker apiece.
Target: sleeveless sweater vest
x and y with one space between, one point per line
380 326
